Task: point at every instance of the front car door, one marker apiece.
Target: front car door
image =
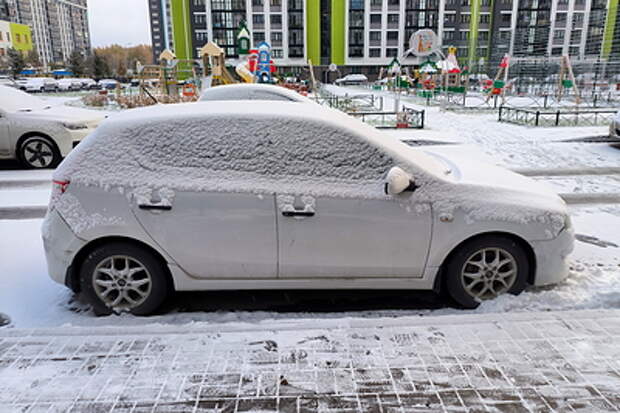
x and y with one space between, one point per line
337 222
5 139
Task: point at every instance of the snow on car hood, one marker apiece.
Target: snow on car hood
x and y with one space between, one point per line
485 192
65 114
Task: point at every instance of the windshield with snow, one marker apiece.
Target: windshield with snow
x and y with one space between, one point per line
13 100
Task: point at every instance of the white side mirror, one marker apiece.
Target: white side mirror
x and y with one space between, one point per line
398 181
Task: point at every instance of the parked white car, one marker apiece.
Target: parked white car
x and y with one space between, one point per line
252 91
614 127
69 84
7 81
88 83
352 79
38 84
279 195
38 134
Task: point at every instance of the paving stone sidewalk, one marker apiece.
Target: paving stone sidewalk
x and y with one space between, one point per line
556 361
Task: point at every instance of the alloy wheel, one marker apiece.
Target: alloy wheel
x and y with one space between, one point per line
488 273
122 282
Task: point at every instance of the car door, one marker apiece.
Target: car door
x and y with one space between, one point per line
352 237
206 222
339 223
5 141
214 235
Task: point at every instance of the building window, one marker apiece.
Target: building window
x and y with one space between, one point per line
276 19
276 37
392 35
258 20
277 53
275 3
259 37
374 52
375 36
485 18
257 3
391 52
449 18
375 19
465 18
392 18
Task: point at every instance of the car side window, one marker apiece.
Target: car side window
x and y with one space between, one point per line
266 146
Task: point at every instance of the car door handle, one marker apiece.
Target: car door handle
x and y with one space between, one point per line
297 213
155 207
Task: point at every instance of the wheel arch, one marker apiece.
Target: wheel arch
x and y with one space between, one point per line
529 252
27 135
72 278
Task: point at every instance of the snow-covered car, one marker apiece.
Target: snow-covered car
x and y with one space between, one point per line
614 127
69 84
39 84
239 195
252 91
352 79
38 134
88 84
7 81
107 84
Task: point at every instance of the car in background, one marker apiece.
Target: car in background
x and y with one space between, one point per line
88 84
7 81
69 84
38 134
352 79
614 127
38 84
251 91
277 195
107 84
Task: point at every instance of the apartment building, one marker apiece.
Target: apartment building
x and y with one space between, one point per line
59 27
14 36
363 35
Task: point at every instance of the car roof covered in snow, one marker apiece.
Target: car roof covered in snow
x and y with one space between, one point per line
279 111
252 91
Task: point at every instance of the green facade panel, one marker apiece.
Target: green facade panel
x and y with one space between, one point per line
472 43
313 31
610 27
181 28
338 25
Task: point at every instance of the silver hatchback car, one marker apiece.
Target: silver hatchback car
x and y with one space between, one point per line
286 195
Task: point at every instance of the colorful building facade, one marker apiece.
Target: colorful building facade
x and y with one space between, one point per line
14 36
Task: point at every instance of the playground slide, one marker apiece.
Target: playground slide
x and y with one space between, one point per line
244 73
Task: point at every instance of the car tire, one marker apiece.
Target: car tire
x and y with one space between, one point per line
38 152
484 268
126 273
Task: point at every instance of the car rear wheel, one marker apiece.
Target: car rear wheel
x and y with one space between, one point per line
38 152
122 277
485 268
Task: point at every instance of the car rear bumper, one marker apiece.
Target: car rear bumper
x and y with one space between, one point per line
552 258
60 245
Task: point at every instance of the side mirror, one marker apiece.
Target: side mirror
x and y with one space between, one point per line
398 181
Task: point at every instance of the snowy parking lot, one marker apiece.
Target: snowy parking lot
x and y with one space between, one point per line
583 170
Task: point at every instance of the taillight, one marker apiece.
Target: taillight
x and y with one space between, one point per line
59 186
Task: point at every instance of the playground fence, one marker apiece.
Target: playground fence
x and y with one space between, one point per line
559 117
412 118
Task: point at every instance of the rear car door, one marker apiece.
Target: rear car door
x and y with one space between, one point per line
211 230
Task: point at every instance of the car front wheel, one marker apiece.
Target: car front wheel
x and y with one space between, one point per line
38 152
485 268
122 277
